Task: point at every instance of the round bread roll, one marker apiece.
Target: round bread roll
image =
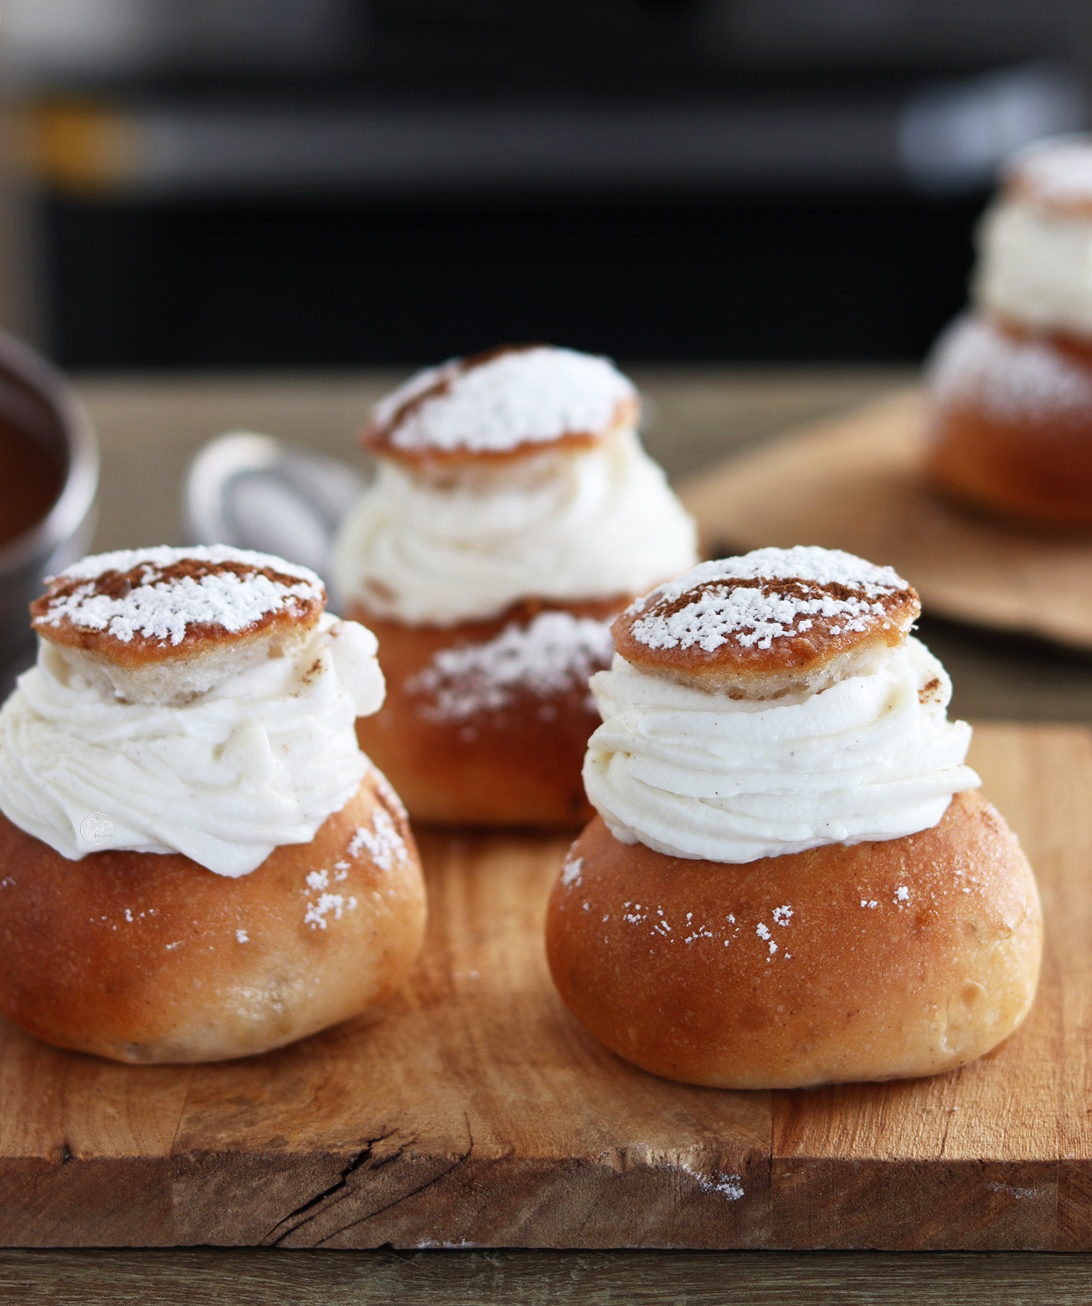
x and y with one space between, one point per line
486 722
780 889
1009 385
149 957
513 516
876 961
196 861
1009 424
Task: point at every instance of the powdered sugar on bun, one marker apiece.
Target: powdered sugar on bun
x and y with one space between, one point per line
505 402
555 653
768 622
162 625
145 604
1010 376
1055 174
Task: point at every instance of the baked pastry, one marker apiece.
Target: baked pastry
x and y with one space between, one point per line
791 880
513 515
1009 415
196 860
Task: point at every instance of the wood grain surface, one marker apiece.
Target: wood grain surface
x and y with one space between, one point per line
478 1113
259 1277
854 483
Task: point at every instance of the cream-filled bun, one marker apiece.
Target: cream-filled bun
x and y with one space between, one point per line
196 860
1009 417
514 514
791 879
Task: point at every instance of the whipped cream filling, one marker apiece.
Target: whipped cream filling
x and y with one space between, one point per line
260 760
432 548
1035 267
696 774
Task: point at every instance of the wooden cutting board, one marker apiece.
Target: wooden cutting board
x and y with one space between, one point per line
478 1113
855 483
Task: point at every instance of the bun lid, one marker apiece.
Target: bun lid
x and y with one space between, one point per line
507 403
768 623
1055 175
162 624
151 605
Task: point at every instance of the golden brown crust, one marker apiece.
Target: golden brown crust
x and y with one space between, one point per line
693 632
379 435
518 764
150 957
1031 466
876 961
73 611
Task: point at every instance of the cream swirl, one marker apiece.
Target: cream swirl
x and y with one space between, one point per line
695 774
260 760
1035 266
440 547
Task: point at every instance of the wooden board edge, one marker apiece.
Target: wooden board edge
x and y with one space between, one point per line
879 1204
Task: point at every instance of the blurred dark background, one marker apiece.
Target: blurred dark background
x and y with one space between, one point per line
343 182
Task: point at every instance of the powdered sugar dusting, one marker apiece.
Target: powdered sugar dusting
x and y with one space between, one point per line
1057 171
328 906
764 595
383 842
728 1186
570 871
516 397
158 603
975 363
555 653
693 929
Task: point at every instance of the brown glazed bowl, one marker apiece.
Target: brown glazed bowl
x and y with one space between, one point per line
38 403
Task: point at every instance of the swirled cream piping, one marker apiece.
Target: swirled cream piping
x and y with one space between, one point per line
563 524
695 774
1035 267
260 760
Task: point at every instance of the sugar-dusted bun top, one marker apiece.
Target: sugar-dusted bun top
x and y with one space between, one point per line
502 404
1054 175
770 622
139 607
